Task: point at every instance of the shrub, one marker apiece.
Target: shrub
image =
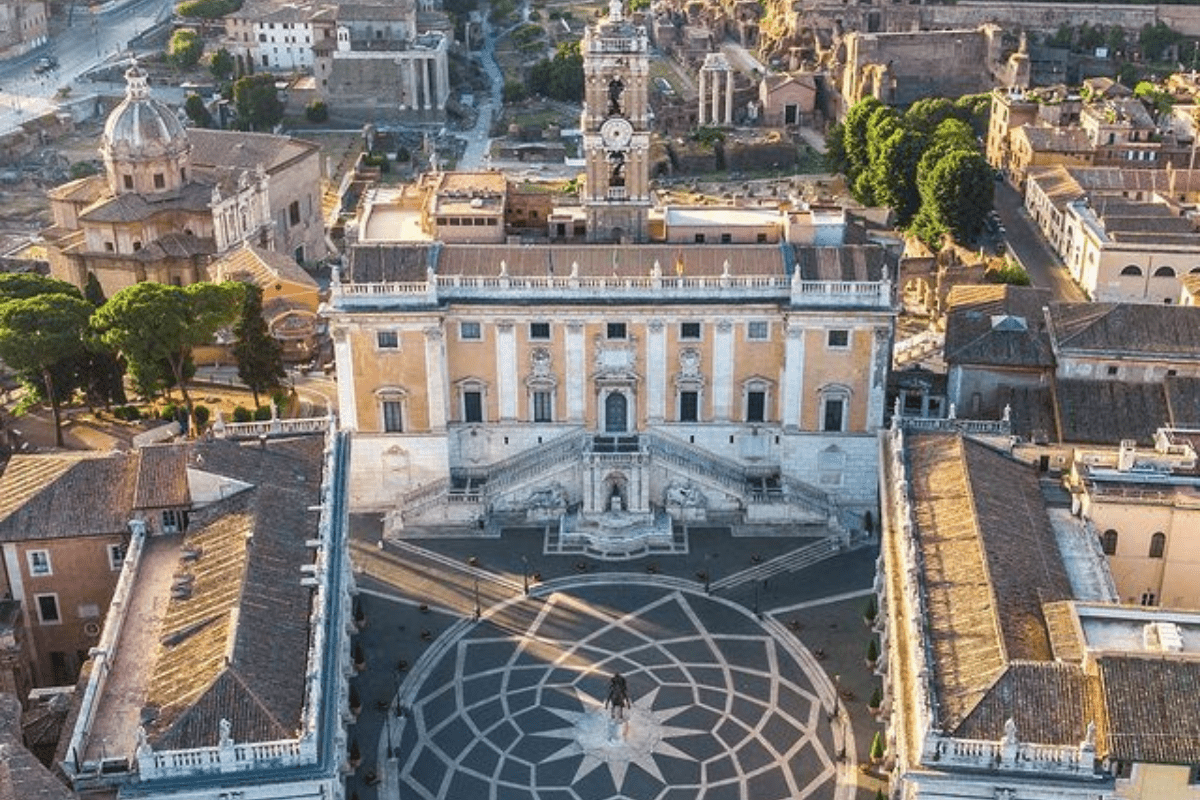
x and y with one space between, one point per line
262 413
316 111
872 610
207 9
876 698
403 154
242 414
877 748
872 650
200 414
127 413
185 48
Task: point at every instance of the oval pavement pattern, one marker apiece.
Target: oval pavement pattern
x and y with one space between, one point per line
513 710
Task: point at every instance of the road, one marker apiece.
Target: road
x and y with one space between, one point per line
1027 245
88 41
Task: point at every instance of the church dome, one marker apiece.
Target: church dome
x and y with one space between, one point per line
143 136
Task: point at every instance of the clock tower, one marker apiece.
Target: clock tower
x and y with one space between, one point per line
616 128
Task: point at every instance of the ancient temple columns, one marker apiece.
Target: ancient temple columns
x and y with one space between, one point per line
712 111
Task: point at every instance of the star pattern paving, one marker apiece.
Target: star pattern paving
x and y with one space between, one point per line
720 709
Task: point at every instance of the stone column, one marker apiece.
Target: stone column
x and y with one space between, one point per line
443 78
791 413
435 378
506 369
343 357
722 377
716 97
729 97
576 377
700 118
656 372
425 99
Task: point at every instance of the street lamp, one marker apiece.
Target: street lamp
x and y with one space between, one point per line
525 569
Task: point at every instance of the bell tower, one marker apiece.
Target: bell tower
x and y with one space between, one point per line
616 128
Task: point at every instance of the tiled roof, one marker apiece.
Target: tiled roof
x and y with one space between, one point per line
82 190
162 478
1057 183
990 561
61 496
852 263
1153 709
383 263
265 267
1126 328
998 325
1105 412
1032 412
133 206
236 647
1183 401
1049 702
1055 140
605 260
222 149
22 776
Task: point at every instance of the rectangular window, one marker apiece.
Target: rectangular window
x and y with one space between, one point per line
128 181
689 406
39 562
539 330
174 521
726 238
470 330
616 330
761 238
472 406
756 404
699 238
758 330
542 404
689 330
294 212
1111 371
393 422
838 338
116 555
387 340
47 606
835 412
159 180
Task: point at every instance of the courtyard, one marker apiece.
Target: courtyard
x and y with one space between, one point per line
486 665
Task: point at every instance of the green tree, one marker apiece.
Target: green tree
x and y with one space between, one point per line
514 92
1158 100
37 333
101 372
259 355
23 285
1156 39
855 128
561 77
257 102
150 323
896 173
207 9
956 196
316 111
221 65
927 114
835 149
976 111
197 112
185 48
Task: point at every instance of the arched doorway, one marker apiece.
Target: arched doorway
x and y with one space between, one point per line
616 413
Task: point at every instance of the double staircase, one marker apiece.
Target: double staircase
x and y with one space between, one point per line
470 496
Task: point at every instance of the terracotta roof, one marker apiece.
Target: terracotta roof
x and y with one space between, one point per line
384 263
265 267
1049 702
236 647
998 325
1153 709
81 190
162 478
65 496
133 207
990 561
22 776
1032 411
222 149
604 260
1183 401
1055 140
1106 411
1126 329
848 263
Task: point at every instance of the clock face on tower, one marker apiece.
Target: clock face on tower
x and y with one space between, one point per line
616 132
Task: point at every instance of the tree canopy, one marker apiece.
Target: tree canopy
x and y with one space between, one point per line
152 324
561 77
259 355
257 103
895 160
42 331
185 48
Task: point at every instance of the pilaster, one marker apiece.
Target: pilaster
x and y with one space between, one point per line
723 371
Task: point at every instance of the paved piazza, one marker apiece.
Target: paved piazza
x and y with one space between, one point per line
724 707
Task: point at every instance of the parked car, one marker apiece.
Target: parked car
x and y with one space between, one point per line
45 64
